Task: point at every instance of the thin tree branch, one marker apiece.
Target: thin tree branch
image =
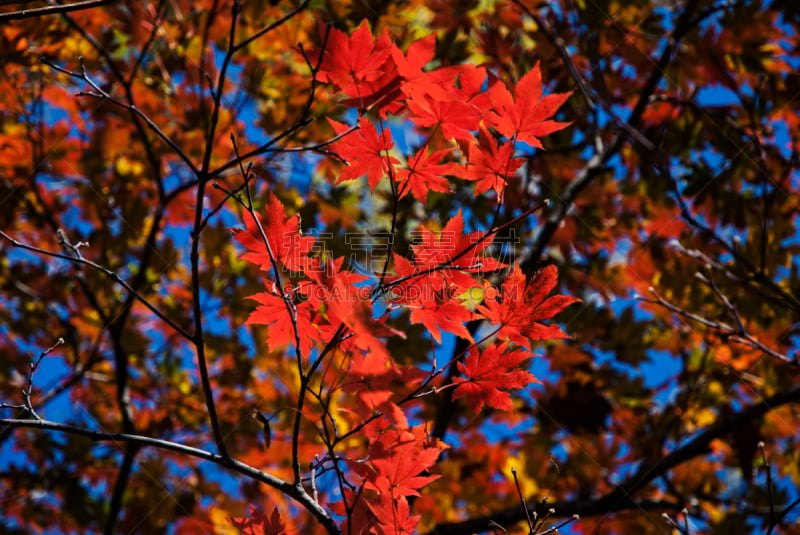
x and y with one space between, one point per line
622 498
194 255
779 518
597 164
234 465
120 487
99 93
260 33
112 275
52 10
736 334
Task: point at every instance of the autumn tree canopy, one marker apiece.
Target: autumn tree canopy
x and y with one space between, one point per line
439 267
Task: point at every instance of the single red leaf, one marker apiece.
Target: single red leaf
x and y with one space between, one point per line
425 173
365 151
490 165
397 459
419 54
274 313
351 62
258 523
444 313
520 307
286 242
454 248
525 114
456 118
488 373
393 516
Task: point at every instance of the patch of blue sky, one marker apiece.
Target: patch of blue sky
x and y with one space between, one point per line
719 95
406 137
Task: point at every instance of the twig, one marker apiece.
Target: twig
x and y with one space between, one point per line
734 334
120 487
597 165
52 10
279 22
770 491
753 279
522 501
114 276
557 527
681 529
234 465
779 518
100 93
34 365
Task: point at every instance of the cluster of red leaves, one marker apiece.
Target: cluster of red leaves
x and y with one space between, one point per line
452 102
391 473
329 309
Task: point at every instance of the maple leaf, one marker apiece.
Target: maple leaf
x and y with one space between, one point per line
393 516
459 83
419 54
490 165
258 523
397 458
364 69
432 302
274 313
286 242
487 373
454 248
350 62
449 98
425 174
456 118
525 115
365 152
326 279
351 305
520 308
450 316
433 296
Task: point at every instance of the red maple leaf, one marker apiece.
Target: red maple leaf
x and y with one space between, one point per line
461 83
436 308
444 263
349 304
258 523
352 62
384 94
449 98
419 54
396 460
365 151
286 242
277 316
425 173
525 114
454 248
456 118
490 165
393 516
520 308
488 373
327 278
